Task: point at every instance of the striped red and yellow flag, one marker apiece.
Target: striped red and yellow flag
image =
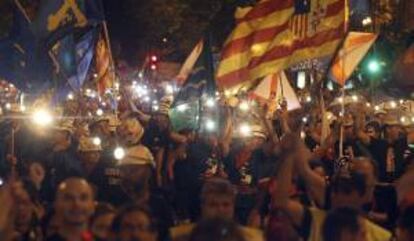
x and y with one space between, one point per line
275 34
105 79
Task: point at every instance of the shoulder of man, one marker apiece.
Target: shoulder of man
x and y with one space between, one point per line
182 233
376 233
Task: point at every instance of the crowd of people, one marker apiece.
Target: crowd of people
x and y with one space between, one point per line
281 181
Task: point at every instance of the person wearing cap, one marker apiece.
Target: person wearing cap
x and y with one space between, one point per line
100 127
242 164
389 151
61 162
137 173
352 146
89 152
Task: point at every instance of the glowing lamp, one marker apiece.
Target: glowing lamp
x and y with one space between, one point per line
119 153
96 141
42 118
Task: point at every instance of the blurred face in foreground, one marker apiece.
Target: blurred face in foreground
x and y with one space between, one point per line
24 211
102 225
216 205
137 226
74 202
360 235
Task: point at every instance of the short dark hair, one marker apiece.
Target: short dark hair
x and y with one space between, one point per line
406 220
217 229
339 220
116 224
217 187
349 183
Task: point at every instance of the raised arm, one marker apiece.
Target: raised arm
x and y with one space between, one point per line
281 197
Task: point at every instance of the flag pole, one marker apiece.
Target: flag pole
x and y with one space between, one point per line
108 45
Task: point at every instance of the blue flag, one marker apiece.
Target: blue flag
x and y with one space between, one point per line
29 68
83 56
57 18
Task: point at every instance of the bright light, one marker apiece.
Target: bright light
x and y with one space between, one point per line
95 75
99 112
117 85
244 106
153 67
341 100
93 95
210 102
182 107
88 91
368 104
155 107
412 119
355 98
8 106
103 104
42 118
140 75
210 125
330 86
308 99
329 116
70 96
367 21
118 98
245 130
393 104
147 99
305 119
341 114
401 102
165 40
154 102
217 93
403 119
373 66
23 108
169 89
302 134
97 141
134 83
376 108
154 58
119 153
301 80
227 93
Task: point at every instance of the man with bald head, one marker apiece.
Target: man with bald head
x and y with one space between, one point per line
74 204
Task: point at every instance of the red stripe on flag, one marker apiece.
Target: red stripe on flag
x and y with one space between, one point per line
280 52
266 8
283 51
244 44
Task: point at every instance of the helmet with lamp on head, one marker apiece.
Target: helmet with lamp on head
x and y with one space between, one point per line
138 155
258 131
89 144
65 125
132 131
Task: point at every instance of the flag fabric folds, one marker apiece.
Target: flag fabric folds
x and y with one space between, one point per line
355 47
274 89
105 78
201 79
57 18
21 60
275 34
189 63
84 52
